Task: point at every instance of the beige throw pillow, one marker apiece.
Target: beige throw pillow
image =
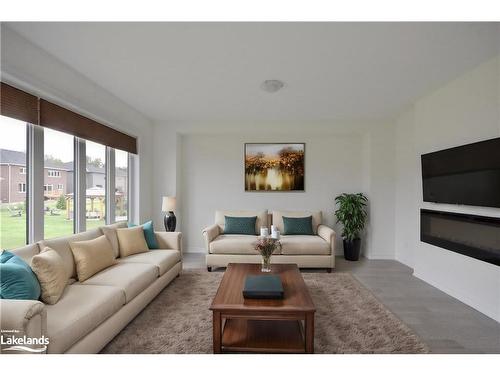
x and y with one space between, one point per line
132 241
48 267
92 256
110 232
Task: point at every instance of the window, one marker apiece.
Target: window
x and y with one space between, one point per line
13 220
96 182
121 185
55 173
58 203
45 189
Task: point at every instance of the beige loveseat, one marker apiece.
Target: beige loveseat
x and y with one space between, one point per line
317 251
91 313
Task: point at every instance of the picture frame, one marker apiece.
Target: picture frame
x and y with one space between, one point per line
274 166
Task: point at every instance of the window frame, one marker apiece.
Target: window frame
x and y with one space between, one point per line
35 186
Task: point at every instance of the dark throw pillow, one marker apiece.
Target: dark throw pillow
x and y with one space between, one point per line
239 225
298 225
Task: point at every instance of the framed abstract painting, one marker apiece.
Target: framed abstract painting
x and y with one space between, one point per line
274 166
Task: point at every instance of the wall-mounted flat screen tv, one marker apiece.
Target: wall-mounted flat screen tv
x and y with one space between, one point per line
467 174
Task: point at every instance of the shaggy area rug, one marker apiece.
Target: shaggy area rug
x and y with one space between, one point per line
349 319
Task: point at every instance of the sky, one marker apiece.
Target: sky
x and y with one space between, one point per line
57 144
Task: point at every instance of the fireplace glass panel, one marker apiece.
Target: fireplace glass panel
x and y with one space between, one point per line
471 235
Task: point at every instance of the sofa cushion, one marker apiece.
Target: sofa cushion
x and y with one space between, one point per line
164 260
48 267
260 222
234 244
240 225
304 245
110 232
26 252
61 246
17 280
278 218
131 278
79 311
92 256
132 241
149 234
298 225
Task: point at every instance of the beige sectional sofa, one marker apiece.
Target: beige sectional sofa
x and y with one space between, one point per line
89 314
316 251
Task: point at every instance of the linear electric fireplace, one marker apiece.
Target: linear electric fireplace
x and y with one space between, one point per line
471 235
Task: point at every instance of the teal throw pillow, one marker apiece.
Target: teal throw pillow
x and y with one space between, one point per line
239 225
298 225
149 234
17 280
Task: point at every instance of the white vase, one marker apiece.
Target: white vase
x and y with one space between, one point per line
276 235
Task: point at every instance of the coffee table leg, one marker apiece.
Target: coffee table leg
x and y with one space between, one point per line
309 333
217 334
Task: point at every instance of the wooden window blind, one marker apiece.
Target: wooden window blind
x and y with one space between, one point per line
18 104
62 119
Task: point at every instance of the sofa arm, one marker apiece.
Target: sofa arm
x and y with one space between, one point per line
169 240
328 234
20 318
210 233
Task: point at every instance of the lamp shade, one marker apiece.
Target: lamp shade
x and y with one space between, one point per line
168 204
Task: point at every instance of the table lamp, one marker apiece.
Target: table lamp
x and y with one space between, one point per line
168 206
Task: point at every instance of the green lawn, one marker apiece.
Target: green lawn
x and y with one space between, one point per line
13 229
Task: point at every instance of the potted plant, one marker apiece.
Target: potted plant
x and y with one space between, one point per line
351 213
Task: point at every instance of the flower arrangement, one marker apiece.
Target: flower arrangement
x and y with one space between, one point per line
266 247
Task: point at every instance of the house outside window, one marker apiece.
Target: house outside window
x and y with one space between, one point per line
13 183
54 173
60 187
22 170
48 187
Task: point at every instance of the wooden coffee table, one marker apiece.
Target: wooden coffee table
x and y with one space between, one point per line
263 325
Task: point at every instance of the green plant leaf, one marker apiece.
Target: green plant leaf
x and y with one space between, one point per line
351 213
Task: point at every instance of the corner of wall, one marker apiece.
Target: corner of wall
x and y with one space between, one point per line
378 182
166 159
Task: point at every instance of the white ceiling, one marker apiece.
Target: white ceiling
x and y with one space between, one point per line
209 73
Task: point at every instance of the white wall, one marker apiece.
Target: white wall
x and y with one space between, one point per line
406 185
465 110
213 178
379 181
167 167
28 67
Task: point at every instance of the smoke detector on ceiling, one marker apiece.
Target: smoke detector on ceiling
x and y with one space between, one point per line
272 85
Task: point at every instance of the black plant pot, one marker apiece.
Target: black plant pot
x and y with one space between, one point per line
352 249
